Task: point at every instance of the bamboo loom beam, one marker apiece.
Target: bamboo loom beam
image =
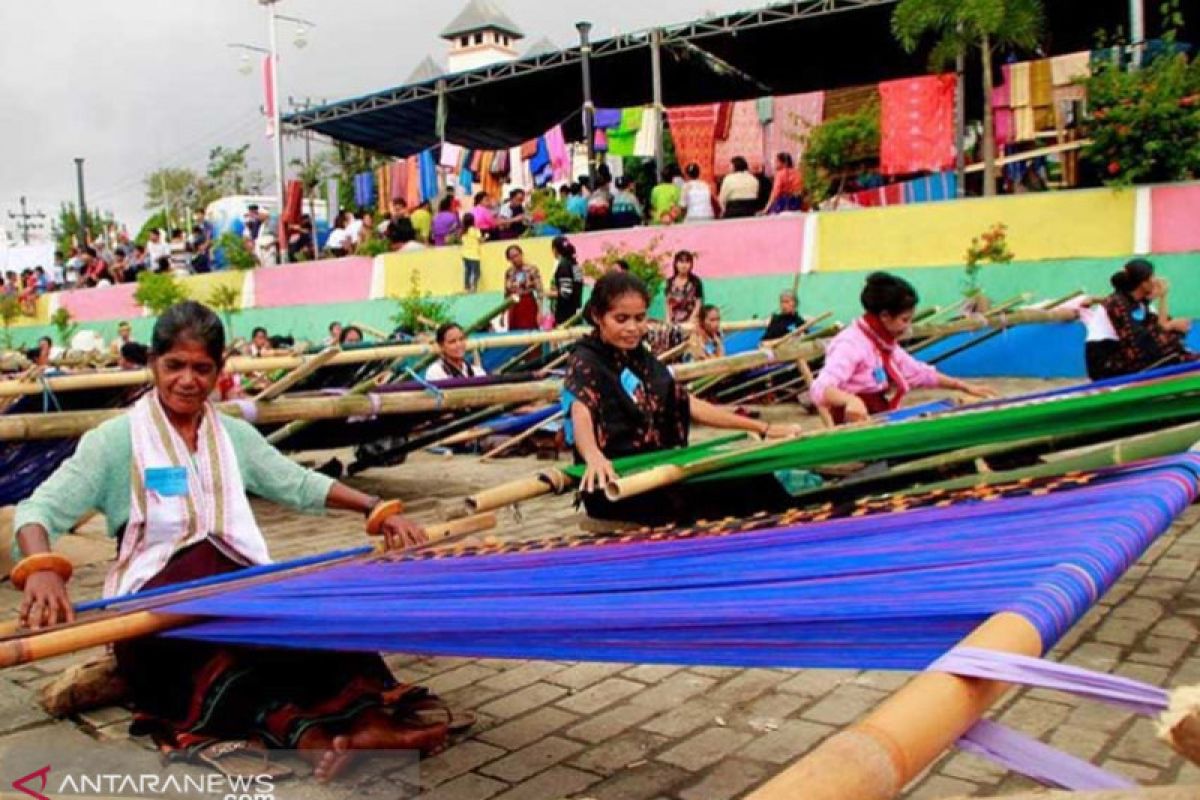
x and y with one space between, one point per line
513 441
879 755
123 627
301 372
70 424
527 488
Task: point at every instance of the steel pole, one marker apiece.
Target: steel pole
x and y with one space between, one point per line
589 110
656 85
83 228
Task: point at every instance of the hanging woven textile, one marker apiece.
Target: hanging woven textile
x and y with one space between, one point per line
694 130
917 124
398 182
793 117
413 167
429 175
744 138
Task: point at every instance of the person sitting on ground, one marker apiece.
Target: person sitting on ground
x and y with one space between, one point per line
739 191
706 341
445 226
1132 329
260 344
696 197
622 401
335 334
339 242
351 334
512 220
452 350
785 320
190 693
787 187
865 362
133 355
42 354
626 208
124 336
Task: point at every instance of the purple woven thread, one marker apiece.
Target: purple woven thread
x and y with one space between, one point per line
1036 760
248 409
1130 695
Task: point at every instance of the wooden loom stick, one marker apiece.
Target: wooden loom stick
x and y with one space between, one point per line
825 414
879 755
528 351
301 372
122 627
522 436
371 329
527 488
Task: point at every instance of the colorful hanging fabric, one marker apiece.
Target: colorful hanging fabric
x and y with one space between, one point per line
917 124
477 161
333 195
766 109
745 138
413 168
529 149
293 209
1067 69
450 156
492 184
429 175
850 100
621 141
648 135
364 189
795 115
600 140
384 197
931 188
693 130
724 119
560 157
499 165
1022 91
539 165
399 179
606 118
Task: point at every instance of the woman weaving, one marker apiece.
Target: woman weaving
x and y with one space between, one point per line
866 370
622 401
171 477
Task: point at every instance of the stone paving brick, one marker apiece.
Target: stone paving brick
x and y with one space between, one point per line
646 780
1140 744
889 681
696 713
610 723
519 677
1098 717
531 760
939 787
19 708
1174 569
553 783
967 767
673 691
618 753
1177 628
746 686
1122 632
519 702
844 705
456 678
651 673
1139 608
600 695
717 672
466 787
728 779
1147 776
1146 673
1035 718
1161 651
1086 743
1160 588
792 739
458 760
1096 656
816 682
582 676
773 706
705 748
528 729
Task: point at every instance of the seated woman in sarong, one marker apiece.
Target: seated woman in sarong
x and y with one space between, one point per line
1126 334
623 401
171 478
866 370
707 341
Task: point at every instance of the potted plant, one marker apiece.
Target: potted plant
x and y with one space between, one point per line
990 247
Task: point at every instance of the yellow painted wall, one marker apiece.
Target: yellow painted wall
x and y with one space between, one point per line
201 286
440 269
42 317
1040 226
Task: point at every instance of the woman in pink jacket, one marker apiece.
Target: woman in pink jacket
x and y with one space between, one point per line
866 370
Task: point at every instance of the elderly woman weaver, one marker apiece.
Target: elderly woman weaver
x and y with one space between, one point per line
171 477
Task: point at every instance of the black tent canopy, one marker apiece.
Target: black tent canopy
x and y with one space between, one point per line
782 48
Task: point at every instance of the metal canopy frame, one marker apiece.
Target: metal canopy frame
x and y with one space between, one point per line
681 34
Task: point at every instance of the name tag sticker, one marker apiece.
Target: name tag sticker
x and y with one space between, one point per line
167 481
1138 314
630 383
880 375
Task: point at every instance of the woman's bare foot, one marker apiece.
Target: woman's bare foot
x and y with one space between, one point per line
375 730
328 755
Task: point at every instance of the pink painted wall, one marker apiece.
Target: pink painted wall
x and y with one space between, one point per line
725 249
1175 219
341 280
102 303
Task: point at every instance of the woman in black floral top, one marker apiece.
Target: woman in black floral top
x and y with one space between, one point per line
1145 337
622 401
685 291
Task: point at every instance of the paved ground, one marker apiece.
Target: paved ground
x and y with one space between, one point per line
585 730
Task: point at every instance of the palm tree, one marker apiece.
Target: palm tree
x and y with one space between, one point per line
960 26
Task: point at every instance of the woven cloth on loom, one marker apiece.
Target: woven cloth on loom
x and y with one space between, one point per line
877 589
917 124
1120 408
745 139
793 117
694 130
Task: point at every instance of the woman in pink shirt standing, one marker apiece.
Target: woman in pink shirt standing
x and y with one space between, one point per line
866 370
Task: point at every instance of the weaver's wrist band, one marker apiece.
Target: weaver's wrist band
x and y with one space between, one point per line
374 501
39 562
381 512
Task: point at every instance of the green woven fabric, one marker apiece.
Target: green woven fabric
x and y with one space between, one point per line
1166 401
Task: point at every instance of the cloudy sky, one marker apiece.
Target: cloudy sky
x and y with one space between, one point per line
132 85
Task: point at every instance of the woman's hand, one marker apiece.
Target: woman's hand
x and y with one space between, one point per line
46 601
1160 287
782 431
856 410
980 390
400 533
599 473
